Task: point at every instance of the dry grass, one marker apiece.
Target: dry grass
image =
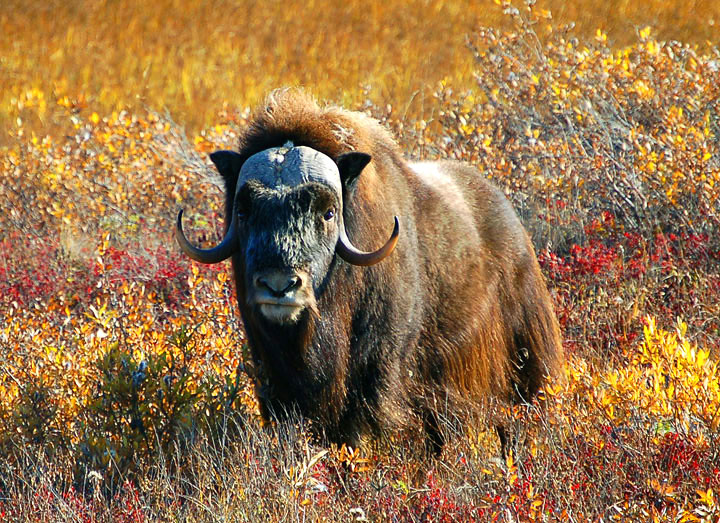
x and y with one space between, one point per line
195 58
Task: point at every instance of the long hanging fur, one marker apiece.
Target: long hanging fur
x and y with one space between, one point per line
459 310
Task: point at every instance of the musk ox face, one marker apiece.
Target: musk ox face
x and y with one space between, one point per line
286 242
286 226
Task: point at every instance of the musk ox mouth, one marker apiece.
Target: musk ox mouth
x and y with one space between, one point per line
282 312
281 295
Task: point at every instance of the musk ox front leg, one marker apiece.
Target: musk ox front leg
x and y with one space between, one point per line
434 437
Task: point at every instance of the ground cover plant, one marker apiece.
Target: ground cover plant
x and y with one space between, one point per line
125 390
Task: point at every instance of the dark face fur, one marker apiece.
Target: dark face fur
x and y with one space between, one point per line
286 244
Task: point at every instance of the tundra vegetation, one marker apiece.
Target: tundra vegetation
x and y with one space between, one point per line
124 375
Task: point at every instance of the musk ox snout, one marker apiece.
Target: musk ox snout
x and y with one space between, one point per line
281 295
278 283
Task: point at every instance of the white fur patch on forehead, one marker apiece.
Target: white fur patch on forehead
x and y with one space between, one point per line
277 154
290 166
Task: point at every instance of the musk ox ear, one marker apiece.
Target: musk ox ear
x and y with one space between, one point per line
228 164
350 166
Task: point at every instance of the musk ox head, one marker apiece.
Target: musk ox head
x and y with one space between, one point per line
286 226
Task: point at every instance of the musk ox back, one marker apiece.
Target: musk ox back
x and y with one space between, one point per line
448 301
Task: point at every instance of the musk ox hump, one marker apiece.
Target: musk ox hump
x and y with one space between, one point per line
291 166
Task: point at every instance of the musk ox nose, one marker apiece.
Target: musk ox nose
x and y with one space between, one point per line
278 283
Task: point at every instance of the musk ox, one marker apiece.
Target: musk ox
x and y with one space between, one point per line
451 305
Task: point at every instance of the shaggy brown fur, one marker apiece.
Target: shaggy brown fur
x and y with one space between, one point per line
459 310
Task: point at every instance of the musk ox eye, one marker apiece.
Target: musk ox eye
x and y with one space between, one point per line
241 210
329 214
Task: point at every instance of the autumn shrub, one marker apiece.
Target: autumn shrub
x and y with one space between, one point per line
140 408
577 129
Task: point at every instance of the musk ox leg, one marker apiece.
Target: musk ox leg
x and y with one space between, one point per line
512 435
434 437
505 442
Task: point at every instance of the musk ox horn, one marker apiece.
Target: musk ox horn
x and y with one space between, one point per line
348 252
215 255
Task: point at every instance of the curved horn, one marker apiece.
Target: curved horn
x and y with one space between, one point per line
351 254
216 254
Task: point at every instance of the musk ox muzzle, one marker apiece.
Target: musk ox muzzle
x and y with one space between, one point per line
282 295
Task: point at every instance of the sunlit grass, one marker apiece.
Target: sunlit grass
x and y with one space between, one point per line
194 58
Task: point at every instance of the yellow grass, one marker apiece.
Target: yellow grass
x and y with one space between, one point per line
192 58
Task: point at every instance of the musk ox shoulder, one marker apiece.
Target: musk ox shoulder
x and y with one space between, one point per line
374 290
